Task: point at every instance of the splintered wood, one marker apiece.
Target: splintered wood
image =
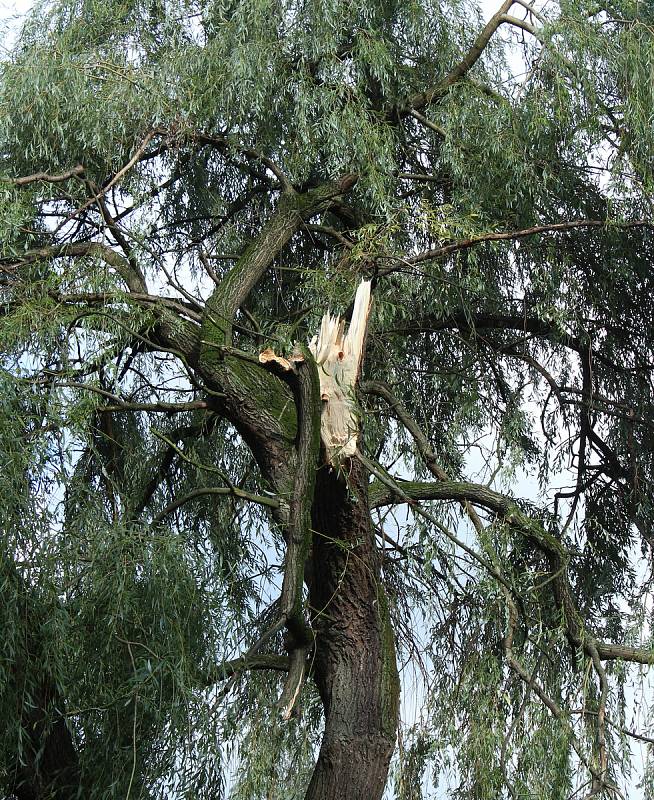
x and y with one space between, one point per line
339 360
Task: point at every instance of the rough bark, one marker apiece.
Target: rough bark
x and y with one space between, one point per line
355 667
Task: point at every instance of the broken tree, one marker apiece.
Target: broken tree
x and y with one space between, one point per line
234 524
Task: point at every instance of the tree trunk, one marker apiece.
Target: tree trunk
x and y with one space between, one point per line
46 762
355 667
51 767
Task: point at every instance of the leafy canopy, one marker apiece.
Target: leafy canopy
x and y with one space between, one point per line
506 222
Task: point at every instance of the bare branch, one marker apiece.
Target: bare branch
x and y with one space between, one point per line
120 404
428 123
122 266
465 244
231 491
532 11
523 24
75 172
136 157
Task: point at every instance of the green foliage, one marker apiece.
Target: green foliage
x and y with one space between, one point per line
525 359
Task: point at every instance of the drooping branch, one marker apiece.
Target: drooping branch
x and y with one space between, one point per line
422 442
401 263
553 707
396 491
298 533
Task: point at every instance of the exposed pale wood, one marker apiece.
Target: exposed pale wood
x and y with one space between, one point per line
268 356
339 355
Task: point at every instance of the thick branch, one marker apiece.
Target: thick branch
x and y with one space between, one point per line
234 289
259 403
302 373
260 661
381 495
424 99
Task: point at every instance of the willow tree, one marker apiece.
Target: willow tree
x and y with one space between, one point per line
202 593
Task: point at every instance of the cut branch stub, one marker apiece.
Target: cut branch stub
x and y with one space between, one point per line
339 356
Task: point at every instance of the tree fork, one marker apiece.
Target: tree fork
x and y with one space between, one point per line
256 401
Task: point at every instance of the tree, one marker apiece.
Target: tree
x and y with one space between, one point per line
190 578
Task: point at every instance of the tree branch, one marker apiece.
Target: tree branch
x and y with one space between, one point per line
293 209
396 491
231 491
465 244
423 99
260 661
422 442
133 280
75 172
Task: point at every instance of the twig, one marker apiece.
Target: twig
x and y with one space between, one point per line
233 491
